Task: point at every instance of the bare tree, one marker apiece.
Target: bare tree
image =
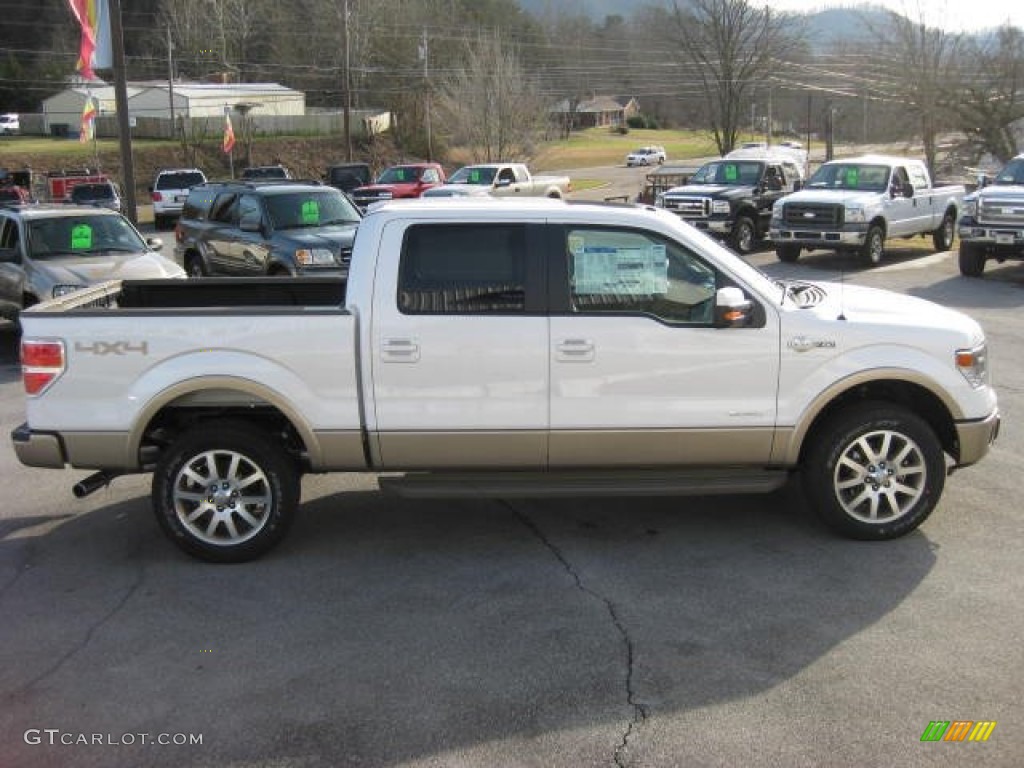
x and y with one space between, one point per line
490 105
729 46
922 66
990 98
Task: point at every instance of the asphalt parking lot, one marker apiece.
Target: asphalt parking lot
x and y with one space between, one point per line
712 631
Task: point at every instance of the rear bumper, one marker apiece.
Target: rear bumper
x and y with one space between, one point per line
38 449
976 437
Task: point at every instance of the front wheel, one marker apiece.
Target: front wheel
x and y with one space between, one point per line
787 253
942 238
874 245
875 471
744 236
972 259
225 492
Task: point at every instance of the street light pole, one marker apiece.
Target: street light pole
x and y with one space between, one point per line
121 103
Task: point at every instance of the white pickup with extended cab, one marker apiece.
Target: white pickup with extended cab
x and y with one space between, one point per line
500 180
477 348
857 203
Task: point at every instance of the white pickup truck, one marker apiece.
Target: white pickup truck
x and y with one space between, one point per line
529 350
500 180
857 203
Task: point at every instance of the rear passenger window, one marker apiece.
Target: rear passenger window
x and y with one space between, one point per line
463 269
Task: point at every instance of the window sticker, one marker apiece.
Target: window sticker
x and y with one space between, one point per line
732 173
576 245
81 237
607 270
311 212
852 176
474 177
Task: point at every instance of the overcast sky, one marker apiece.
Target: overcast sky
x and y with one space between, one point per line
953 15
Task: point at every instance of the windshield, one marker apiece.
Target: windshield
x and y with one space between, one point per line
183 180
315 208
85 192
1013 173
85 235
733 173
473 175
400 174
854 176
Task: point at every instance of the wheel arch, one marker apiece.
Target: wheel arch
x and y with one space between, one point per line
912 391
182 405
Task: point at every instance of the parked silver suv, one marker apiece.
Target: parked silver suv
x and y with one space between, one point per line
170 190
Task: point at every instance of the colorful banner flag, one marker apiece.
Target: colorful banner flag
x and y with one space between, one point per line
229 135
88 128
84 12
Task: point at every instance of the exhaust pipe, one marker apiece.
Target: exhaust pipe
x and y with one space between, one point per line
93 483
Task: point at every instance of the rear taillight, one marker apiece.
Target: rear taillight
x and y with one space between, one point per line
42 363
157 197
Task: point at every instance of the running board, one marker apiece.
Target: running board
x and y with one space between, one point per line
594 483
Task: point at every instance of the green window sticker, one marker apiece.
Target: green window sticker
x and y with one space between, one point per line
731 172
474 177
852 177
81 237
311 212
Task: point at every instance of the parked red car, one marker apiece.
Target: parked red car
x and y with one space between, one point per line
398 181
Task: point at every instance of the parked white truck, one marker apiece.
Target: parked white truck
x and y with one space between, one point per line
992 225
528 350
857 203
500 180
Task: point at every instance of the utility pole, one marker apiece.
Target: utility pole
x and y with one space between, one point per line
347 85
170 77
121 102
425 55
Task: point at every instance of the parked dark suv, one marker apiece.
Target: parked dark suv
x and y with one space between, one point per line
266 228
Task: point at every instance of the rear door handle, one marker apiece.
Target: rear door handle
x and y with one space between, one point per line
400 351
574 351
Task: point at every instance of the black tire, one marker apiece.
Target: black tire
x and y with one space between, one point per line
250 511
788 253
942 238
874 245
744 235
972 259
194 265
874 471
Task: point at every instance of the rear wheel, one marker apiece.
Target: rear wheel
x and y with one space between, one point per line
874 471
874 245
788 253
942 238
225 492
972 260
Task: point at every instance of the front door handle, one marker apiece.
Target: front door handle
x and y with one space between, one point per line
575 351
400 351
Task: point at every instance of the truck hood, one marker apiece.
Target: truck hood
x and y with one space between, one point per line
891 317
78 270
837 196
712 190
457 190
335 237
1008 191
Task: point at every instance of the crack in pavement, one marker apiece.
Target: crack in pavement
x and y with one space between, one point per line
639 710
140 576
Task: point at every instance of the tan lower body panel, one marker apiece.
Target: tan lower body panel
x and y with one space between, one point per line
99 450
461 450
660 447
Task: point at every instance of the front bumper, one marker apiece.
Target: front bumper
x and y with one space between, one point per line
1005 236
976 437
852 236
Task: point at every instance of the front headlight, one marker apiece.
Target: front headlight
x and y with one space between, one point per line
777 209
65 289
973 364
855 215
719 206
318 257
970 208
660 201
